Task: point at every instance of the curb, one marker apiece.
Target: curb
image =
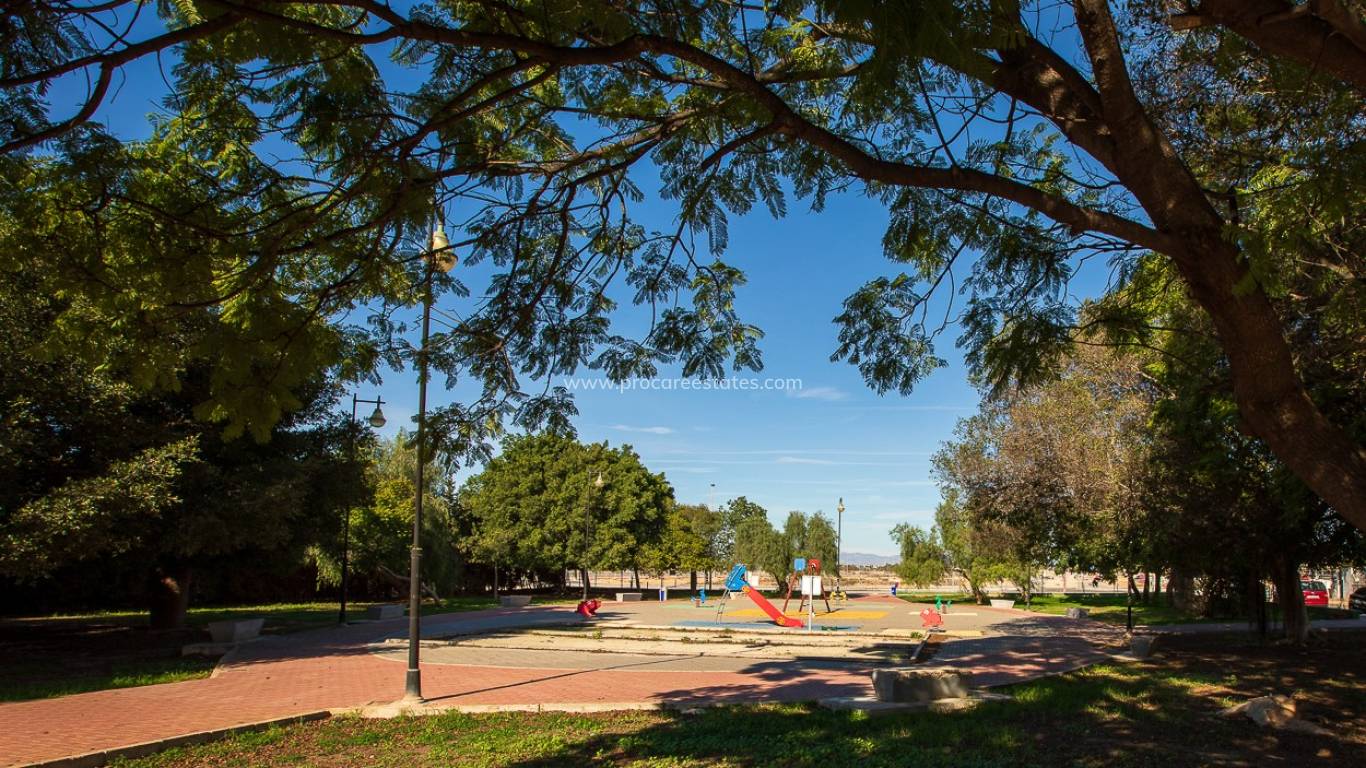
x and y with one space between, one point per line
590 707
143 749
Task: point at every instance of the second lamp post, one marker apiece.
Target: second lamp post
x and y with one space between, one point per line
376 420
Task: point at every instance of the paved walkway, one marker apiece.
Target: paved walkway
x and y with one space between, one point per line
336 668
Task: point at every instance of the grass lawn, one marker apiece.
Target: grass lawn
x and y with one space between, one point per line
60 655
1110 608
1160 712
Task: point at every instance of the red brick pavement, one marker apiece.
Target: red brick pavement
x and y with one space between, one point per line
333 669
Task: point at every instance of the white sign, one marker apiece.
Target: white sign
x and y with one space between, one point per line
752 578
811 586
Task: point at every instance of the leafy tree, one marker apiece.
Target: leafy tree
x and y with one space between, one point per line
733 514
922 559
953 530
697 530
381 530
96 471
1040 136
759 545
531 505
820 542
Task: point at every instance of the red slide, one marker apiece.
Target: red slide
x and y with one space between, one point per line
767 607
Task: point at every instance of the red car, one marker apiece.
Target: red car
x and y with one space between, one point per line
1315 594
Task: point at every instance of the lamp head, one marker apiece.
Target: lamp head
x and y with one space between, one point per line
442 257
599 483
377 418
840 508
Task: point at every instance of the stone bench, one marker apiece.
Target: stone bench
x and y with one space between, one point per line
1002 603
385 611
235 631
1078 613
514 601
628 597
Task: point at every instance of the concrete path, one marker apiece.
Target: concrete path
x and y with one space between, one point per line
337 669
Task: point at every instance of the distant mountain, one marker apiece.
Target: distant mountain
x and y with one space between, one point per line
863 558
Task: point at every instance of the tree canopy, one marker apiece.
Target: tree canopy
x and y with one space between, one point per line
1225 139
537 506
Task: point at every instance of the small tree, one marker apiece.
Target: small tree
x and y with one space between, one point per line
922 559
953 530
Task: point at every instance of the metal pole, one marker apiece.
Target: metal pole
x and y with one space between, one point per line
587 511
413 684
346 520
839 543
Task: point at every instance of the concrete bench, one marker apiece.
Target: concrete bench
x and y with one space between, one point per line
1077 613
1002 603
385 611
235 631
514 601
628 597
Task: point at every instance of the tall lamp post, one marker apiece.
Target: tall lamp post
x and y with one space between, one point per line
587 516
376 420
439 257
839 543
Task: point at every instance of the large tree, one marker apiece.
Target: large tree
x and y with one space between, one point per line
95 473
538 506
1039 135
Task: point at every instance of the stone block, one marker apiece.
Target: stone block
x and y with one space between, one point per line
1141 646
628 597
235 631
514 601
1077 613
385 611
920 685
1002 603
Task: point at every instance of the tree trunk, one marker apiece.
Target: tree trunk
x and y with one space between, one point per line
693 581
979 595
635 577
1147 584
1294 616
169 596
1272 400
1180 591
495 581
584 572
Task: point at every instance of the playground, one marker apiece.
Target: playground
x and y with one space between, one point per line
681 653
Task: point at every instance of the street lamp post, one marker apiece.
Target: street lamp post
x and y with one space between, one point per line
587 516
376 420
440 257
839 543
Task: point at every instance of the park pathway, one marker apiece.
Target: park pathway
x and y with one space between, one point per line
336 669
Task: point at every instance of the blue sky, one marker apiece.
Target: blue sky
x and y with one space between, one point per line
787 450
793 450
